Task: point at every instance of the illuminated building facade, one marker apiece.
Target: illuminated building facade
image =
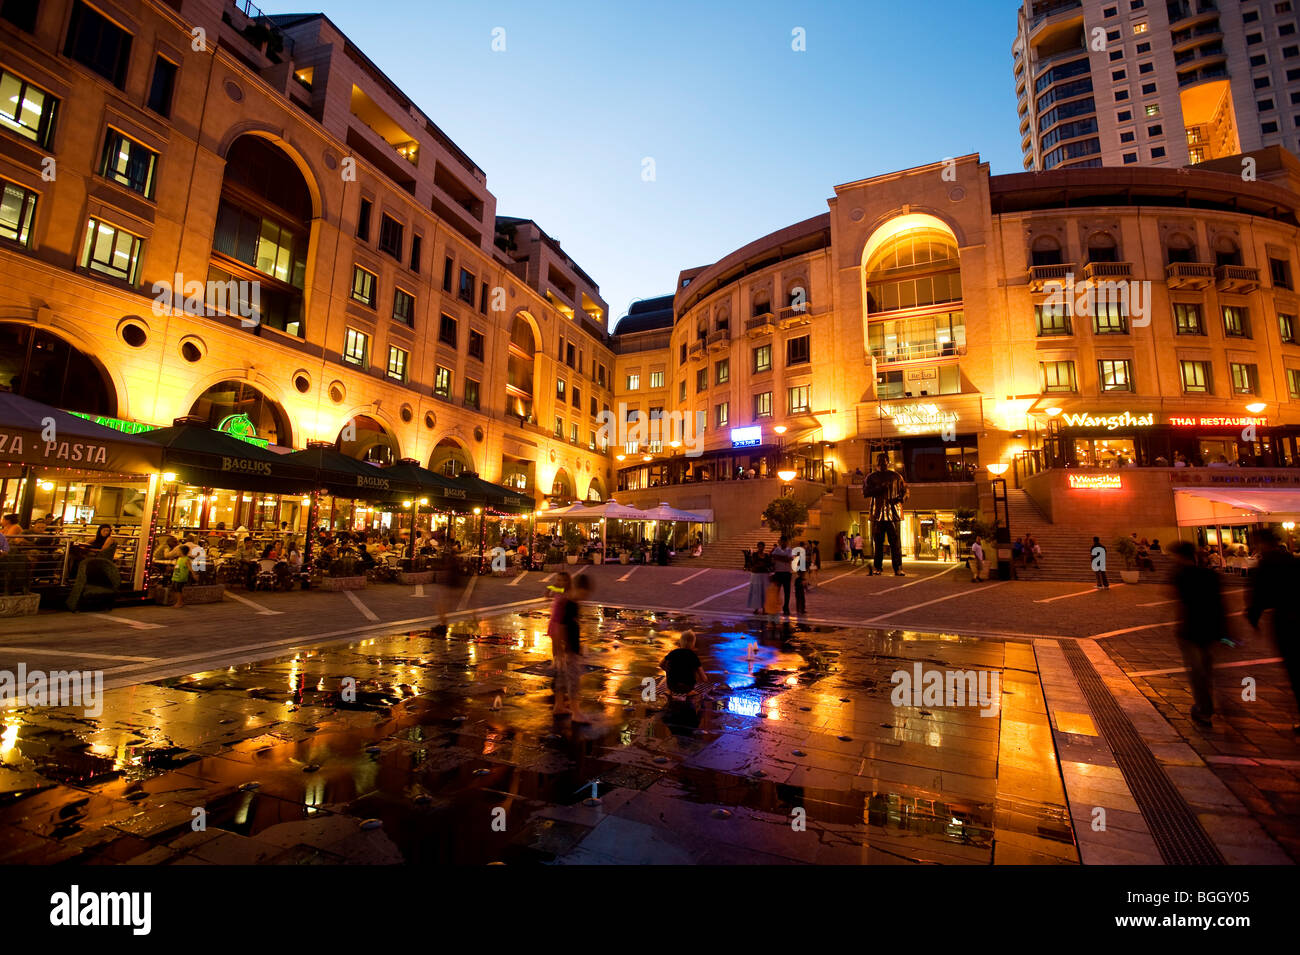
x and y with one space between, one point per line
215 212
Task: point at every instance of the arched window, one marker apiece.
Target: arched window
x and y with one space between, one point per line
260 243
1046 251
520 362
364 438
1226 251
1180 248
43 367
562 486
451 459
1102 248
762 302
915 268
240 409
595 490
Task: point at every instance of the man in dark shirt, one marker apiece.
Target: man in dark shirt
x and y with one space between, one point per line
1274 587
782 568
682 666
886 491
1201 624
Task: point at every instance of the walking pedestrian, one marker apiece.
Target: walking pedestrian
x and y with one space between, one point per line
1098 553
579 588
181 576
1273 587
855 548
760 569
1202 623
559 590
782 568
945 545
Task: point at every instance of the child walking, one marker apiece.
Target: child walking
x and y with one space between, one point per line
181 576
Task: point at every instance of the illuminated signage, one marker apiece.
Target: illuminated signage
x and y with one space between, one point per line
1094 482
117 424
1216 421
1110 422
919 418
746 437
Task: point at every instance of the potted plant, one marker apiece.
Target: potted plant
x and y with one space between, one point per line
573 541
785 514
1127 548
343 574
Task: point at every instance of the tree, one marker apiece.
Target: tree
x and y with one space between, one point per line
785 514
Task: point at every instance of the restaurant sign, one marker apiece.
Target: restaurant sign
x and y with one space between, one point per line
1217 421
1110 422
379 483
1093 482
919 418
246 466
455 492
61 452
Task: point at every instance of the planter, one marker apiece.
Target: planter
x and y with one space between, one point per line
623 558
415 577
194 594
598 558
571 558
1129 576
19 605
343 583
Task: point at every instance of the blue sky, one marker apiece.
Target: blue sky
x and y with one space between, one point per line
747 135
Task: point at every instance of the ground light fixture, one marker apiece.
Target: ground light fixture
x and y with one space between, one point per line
1255 407
786 476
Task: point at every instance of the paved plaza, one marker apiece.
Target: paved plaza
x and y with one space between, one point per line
227 735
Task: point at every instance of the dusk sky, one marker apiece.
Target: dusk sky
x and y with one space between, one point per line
747 135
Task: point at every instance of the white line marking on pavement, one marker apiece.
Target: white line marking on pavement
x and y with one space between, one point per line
1145 626
517 579
75 653
1217 666
1174 600
721 593
256 606
913 583
1077 593
419 590
134 624
629 573
960 593
678 583
356 602
469 590
847 573
548 578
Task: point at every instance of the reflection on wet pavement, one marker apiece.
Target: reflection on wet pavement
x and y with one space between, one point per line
448 752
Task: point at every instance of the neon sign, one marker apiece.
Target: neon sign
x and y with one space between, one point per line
1110 422
746 437
919 418
1217 421
1094 482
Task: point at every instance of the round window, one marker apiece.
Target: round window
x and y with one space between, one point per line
134 335
337 393
478 433
429 420
407 413
191 352
302 383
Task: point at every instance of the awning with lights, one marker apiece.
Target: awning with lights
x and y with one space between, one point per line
1196 507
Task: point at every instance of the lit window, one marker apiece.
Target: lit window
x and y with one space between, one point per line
26 110
442 383
112 251
17 210
396 363
356 347
363 286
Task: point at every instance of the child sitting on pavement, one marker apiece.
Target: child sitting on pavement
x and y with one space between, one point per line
683 668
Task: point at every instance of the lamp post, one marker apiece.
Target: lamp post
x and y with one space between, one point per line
1001 527
780 430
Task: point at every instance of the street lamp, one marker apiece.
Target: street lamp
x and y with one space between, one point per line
1255 407
1001 528
997 468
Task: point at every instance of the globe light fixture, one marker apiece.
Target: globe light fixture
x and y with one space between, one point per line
1255 407
998 468
787 475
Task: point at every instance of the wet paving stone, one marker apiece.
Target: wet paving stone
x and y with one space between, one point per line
418 746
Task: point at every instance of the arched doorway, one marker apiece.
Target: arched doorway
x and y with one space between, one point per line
562 488
261 236
44 367
596 490
365 439
238 408
520 361
451 459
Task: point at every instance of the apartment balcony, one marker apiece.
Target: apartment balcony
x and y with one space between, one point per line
1186 14
697 351
1183 39
1189 275
794 315
1112 271
719 340
764 324
917 351
1236 278
1040 276
1054 11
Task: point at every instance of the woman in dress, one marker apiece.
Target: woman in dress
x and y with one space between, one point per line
760 570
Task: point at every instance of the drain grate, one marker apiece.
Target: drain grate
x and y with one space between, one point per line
1177 833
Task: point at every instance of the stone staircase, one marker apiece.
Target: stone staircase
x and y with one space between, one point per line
725 552
1066 545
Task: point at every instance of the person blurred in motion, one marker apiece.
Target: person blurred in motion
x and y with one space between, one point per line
1201 624
571 671
682 667
1274 586
558 589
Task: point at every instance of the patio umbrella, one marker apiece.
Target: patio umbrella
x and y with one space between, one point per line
77 443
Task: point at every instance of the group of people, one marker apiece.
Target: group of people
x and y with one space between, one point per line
774 574
1026 551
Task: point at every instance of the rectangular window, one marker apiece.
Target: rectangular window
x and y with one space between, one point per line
17 211
1058 376
475 344
1196 377
1115 374
162 86
559 430
573 432
356 347
442 383
656 379
396 363
681 354
471 394
1236 322
722 371
633 382
1281 272
466 291
1286 325
1109 319
482 298
363 220
1245 378
591 441
27 110
390 236
592 412
798 351
571 356
447 331
363 286
1053 319
602 375
112 251
681 390
763 405
98 43
1293 382
416 241
129 163
403 307
763 358
561 390
722 414
21 13
575 398
448 266
701 380
799 398
1187 319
